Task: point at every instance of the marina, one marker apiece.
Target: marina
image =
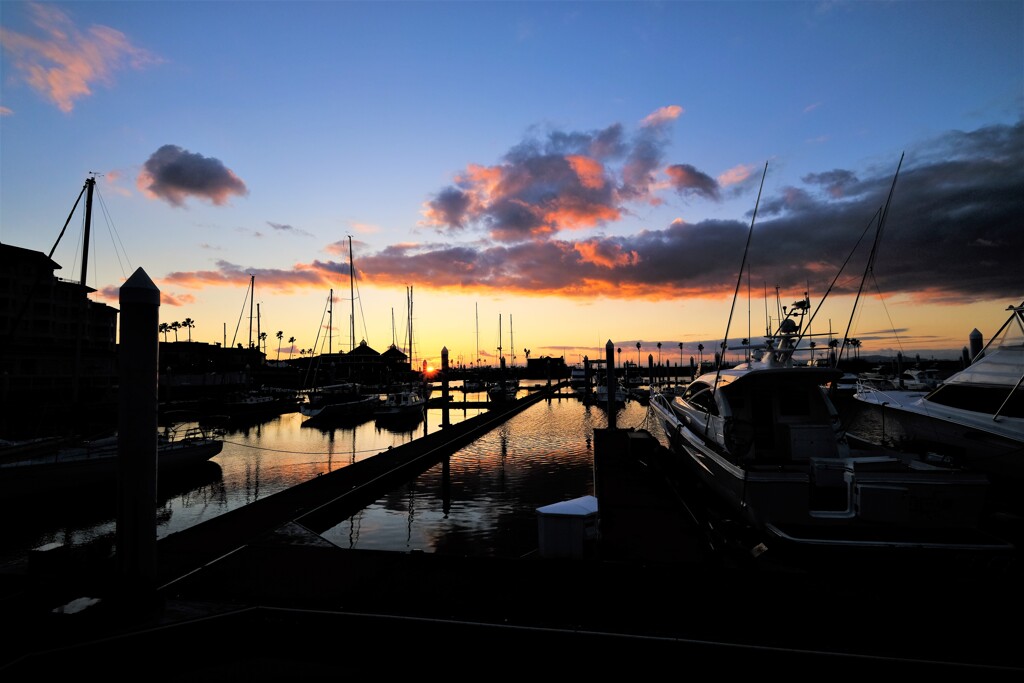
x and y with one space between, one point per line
280 538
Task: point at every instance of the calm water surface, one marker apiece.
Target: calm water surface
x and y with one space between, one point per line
482 501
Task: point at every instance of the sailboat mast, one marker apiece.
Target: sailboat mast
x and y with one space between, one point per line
412 364
477 308
330 320
89 184
511 340
352 298
252 295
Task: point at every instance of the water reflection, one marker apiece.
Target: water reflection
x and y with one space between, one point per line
482 499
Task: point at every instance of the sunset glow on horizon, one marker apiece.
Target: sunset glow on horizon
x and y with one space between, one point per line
562 173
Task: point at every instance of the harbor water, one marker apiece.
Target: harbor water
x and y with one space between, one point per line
482 501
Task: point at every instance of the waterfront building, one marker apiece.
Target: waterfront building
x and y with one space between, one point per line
58 362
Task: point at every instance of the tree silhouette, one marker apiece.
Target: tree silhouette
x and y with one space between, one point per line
700 357
175 326
659 354
164 328
262 338
291 347
638 357
280 336
188 324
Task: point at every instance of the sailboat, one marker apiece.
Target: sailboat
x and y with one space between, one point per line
339 401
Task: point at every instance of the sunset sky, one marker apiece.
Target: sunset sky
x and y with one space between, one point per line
571 172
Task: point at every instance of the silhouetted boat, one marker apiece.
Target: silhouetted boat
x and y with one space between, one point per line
975 417
178 448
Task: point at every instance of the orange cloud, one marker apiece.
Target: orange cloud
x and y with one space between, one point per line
590 171
606 256
577 215
735 175
662 115
65 62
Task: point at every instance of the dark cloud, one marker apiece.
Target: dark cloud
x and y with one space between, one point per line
561 181
952 233
688 180
835 182
284 227
174 174
953 230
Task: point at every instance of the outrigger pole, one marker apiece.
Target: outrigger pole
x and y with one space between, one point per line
870 267
725 341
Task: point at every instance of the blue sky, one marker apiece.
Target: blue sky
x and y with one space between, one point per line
572 171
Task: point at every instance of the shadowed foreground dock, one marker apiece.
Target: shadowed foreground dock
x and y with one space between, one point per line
257 594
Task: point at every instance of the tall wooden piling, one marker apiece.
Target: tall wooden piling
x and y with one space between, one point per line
139 352
609 356
445 419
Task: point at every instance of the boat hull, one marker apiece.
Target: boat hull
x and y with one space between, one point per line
98 464
907 421
864 499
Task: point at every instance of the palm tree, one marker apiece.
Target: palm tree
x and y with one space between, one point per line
700 357
188 324
638 357
812 345
659 354
280 336
291 347
175 326
164 329
856 348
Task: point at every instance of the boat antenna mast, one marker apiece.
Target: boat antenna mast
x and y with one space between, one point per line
739 280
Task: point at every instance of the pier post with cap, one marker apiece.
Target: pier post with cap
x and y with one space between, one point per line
445 419
609 354
139 351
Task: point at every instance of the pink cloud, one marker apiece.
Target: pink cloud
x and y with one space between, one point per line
64 63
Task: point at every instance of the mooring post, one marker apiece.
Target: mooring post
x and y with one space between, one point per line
609 355
139 352
444 387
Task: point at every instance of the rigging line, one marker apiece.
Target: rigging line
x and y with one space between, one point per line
278 450
887 315
242 312
68 221
841 269
870 266
115 237
739 280
319 329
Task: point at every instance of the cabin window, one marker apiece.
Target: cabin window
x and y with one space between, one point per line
704 400
984 400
